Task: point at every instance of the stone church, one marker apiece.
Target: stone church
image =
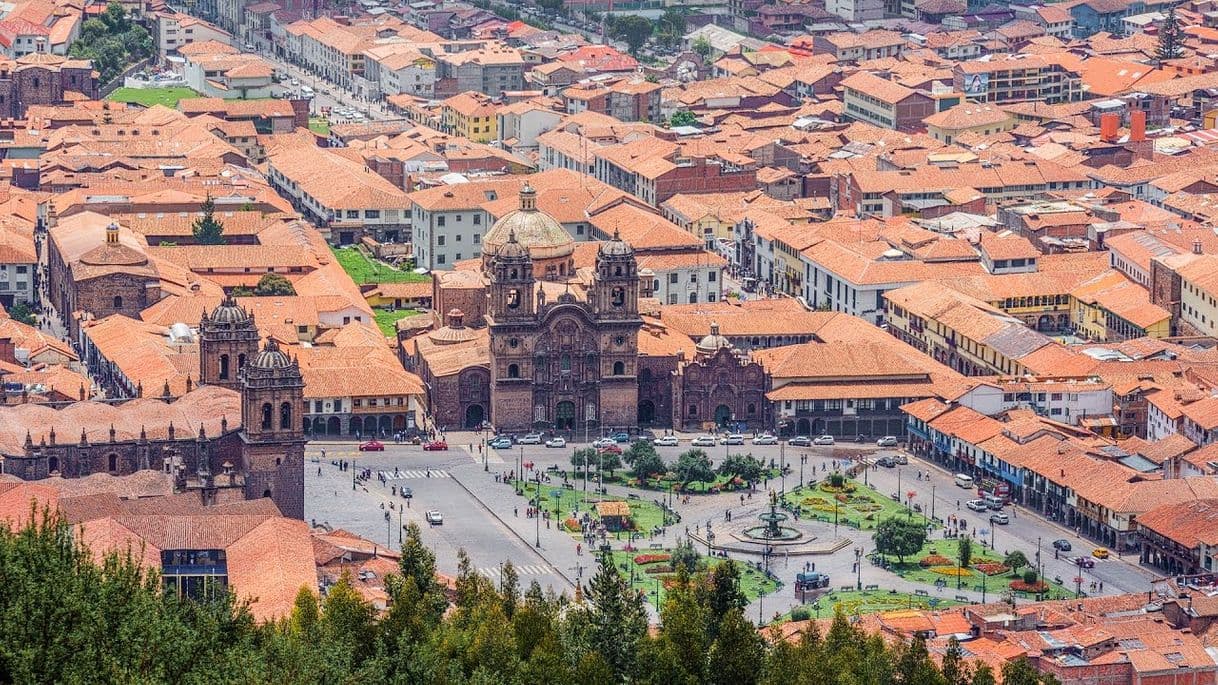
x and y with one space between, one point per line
239 435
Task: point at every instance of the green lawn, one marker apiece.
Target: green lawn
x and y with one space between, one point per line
153 96
386 319
752 581
319 125
363 269
864 506
856 602
973 579
645 513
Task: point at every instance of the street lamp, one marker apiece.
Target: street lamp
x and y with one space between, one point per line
803 459
858 567
537 509
782 456
932 502
760 607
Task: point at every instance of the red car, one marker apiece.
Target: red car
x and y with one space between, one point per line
372 446
612 449
435 445
1085 562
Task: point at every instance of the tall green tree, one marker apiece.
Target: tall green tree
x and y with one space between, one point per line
207 229
694 466
1021 672
637 449
898 537
964 552
617 618
1171 37
273 284
737 656
1015 560
647 465
955 670
632 29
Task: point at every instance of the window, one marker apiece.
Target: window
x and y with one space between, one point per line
672 278
440 241
693 410
514 343
22 269
372 213
285 416
118 302
513 371
711 276
112 463
477 219
352 213
618 296
513 298
565 362
224 367
619 369
357 402
440 259
266 416
440 220
752 409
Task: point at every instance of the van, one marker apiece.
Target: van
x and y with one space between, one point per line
306 91
964 481
994 502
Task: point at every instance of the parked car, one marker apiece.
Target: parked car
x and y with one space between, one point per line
621 436
886 462
900 459
823 440
601 443
1084 562
434 517
556 442
703 441
811 581
530 439
435 446
1000 518
1061 545
765 439
372 446
976 505
886 441
1100 553
800 441
666 441
732 439
500 443
406 493
612 449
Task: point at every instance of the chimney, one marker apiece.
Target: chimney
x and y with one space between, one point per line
1137 126
1196 247
1110 126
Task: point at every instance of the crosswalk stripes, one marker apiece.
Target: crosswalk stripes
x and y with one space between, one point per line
416 473
522 570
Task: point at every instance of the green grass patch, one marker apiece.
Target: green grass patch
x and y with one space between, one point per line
863 507
364 269
148 97
752 581
645 514
319 125
386 319
974 579
856 602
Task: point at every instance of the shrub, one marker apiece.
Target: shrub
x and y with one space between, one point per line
658 568
800 614
1029 577
1021 586
935 560
571 525
651 558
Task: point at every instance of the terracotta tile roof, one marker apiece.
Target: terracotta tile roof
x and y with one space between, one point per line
874 86
336 182
968 115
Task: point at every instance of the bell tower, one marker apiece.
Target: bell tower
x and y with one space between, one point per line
511 275
615 288
272 429
228 339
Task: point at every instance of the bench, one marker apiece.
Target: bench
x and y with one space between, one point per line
846 588
962 598
871 587
656 545
922 593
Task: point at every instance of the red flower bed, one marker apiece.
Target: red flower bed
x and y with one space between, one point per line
992 568
651 558
935 560
1038 586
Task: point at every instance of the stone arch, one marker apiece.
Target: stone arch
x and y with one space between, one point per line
333 426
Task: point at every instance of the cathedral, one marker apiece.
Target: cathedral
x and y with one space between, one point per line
238 435
561 345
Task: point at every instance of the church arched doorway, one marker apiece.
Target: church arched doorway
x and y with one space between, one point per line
564 416
647 411
474 416
803 427
723 415
333 426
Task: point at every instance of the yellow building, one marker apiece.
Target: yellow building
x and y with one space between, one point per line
470 115
1110 307
1198 292
951 123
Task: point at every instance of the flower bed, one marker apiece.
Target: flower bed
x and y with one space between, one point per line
951 571
571 525
1038 586
992 569
848 487
934 560
658 568
651 558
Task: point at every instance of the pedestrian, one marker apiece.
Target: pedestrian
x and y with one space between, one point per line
516 512
319 470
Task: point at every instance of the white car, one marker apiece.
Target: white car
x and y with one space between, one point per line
295 82
886 441
976 505
556 442
733 439
666 441
823 440
765 439
530 439
603 442
434 517
703 441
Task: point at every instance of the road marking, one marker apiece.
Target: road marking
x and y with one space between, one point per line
403 475
521 570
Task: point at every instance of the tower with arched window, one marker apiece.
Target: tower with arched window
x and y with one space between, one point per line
228 339
272 428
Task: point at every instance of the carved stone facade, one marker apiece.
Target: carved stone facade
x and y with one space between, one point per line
721 387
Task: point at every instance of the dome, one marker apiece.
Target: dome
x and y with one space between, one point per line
537 231
113 253
714 341
616 247
512 248
271 357
229 312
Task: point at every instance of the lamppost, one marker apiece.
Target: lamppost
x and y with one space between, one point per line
399 526
519 471
803 459
835 504
983 588
782 457
898 481
932 502
537 509
858 567
352 467
760 607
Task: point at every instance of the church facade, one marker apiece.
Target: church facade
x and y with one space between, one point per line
239 435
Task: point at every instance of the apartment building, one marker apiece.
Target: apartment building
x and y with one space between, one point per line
174 29
398 67
624 100
470 115
491 68
1019 78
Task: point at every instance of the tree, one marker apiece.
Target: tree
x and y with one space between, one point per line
637 449
21 313
723 593
983 675
914 666
273 284
703 47
745 466
632 29
647 465
583 458
609 461
964 552
1030 576
955 670
682 118
1015 560
684 556
694 465
1171 37
111 41
207 229
1021 672
738 653
617 619
899 537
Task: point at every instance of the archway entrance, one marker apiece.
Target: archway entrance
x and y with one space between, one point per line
333 426
564 416
723 415
803 427
474 414
647 411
